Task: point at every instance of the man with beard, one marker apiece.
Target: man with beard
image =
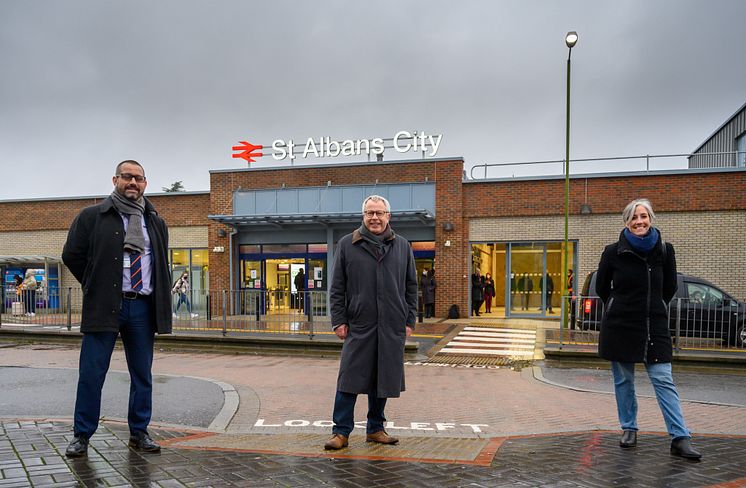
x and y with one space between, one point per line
373 297
117 250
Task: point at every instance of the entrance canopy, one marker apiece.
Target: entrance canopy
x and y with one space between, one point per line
27 260
421 216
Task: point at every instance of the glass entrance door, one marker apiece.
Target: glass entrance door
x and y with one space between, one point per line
535 271
527 270
281 294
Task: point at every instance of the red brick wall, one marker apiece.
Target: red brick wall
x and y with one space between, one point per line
669 193
449 261
178 209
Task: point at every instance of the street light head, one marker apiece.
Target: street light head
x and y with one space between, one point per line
571 39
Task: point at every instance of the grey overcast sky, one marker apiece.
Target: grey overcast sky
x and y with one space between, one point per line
175 84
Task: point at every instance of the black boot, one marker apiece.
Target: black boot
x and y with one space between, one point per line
629 438
78 447
683 447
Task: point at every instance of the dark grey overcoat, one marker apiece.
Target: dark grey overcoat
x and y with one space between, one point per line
377 299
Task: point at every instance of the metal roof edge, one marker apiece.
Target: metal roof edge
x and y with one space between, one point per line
338 165
622 174
99 197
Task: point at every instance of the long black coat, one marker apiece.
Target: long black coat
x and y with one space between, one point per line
377 299
477 288
636 290
428 289
93 253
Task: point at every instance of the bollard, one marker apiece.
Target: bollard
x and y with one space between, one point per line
419 310
69 309
225 315
310 317
209 307
678 325
257 311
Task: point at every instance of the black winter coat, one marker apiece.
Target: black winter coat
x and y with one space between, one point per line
636 290
477 288
377 299
93 253
428 285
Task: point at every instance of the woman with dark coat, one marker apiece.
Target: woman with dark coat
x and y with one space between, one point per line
489 292
636 279
477 291
428 293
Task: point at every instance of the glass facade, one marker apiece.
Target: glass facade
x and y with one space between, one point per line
527 276
272 268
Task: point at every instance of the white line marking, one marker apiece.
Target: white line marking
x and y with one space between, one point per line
491 352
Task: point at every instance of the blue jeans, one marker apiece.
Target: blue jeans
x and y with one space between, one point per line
665 391
138 337
183 298
344 412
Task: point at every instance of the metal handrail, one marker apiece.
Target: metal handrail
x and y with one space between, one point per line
646 157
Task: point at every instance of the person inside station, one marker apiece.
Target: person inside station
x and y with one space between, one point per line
300 287
477 292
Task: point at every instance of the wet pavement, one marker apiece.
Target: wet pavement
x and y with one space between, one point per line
458 425
704 385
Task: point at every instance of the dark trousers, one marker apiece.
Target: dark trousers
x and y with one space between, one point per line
524 300
429 310
344 413
30 301
138 338
476 305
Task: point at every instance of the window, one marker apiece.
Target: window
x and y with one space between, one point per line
701 294
741 148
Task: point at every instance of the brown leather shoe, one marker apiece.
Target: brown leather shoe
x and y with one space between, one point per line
381 437
338 441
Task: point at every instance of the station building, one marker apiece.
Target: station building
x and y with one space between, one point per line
256 227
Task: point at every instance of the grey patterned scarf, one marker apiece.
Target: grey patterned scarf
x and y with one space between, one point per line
378 243
133 239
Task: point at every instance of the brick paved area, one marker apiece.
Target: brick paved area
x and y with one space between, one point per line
30 455
541 434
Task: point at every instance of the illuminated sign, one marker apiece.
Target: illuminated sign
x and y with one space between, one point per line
326 147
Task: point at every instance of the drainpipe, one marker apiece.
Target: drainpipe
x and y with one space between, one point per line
233 232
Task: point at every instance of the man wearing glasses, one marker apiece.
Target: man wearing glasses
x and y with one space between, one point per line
117 250
373 297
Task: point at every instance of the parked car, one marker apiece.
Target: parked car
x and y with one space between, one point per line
699 309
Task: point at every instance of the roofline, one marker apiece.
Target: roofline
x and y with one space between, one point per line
338 165
623 174
718 129
100 197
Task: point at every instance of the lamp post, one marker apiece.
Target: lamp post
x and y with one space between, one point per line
571 38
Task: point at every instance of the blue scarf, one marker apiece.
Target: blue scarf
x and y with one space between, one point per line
642 244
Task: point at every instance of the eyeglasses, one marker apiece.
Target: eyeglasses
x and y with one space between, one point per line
130 177
375 213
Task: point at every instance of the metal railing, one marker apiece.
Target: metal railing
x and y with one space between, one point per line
642 164
694 324
223 311
48 308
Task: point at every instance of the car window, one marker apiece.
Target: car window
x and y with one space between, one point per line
701 294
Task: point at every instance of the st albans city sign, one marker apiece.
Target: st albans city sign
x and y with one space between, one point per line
326 147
